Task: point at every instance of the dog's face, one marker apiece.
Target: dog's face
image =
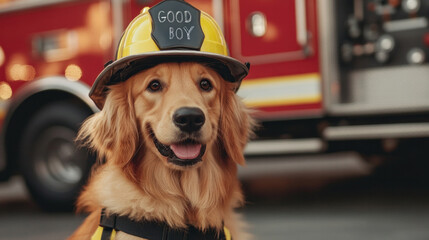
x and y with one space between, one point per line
177 112
177 106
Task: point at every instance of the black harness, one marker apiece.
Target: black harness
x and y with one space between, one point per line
154 230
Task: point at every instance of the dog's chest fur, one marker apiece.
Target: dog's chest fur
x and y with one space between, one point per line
189 197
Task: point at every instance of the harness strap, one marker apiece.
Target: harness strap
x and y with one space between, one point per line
153 230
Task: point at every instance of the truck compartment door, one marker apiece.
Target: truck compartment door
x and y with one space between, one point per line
279 39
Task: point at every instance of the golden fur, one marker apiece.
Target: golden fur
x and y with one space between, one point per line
137 181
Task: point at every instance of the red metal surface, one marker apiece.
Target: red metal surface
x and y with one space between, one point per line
290 111
280 38
281 28
281 17
20 28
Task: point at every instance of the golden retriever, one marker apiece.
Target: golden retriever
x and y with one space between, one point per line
171 137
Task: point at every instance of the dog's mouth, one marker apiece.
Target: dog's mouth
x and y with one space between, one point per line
184 153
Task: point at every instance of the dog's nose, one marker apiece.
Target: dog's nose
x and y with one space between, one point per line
189 119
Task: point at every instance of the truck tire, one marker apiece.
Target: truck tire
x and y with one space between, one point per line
53 167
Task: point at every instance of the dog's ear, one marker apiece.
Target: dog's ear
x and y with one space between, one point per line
113 131
235 126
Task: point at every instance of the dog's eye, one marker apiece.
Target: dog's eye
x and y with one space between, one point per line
205 84
154 86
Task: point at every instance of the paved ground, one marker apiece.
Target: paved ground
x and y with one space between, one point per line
350 218
306 206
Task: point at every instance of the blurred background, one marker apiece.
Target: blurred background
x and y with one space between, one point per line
340 89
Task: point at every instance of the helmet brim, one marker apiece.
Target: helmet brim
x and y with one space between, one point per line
120 70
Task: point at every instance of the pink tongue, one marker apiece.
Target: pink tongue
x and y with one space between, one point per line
186 151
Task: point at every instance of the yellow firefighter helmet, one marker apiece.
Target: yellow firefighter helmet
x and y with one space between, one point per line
171 31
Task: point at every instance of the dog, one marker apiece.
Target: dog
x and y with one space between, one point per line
171 138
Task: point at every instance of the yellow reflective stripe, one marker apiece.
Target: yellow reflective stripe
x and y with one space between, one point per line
282 101
113 236
282 90
99 232
227 233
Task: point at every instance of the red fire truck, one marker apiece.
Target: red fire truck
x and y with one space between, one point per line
326 75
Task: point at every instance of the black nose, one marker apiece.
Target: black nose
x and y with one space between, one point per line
189 119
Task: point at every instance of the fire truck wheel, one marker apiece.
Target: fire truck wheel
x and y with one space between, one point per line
54 169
